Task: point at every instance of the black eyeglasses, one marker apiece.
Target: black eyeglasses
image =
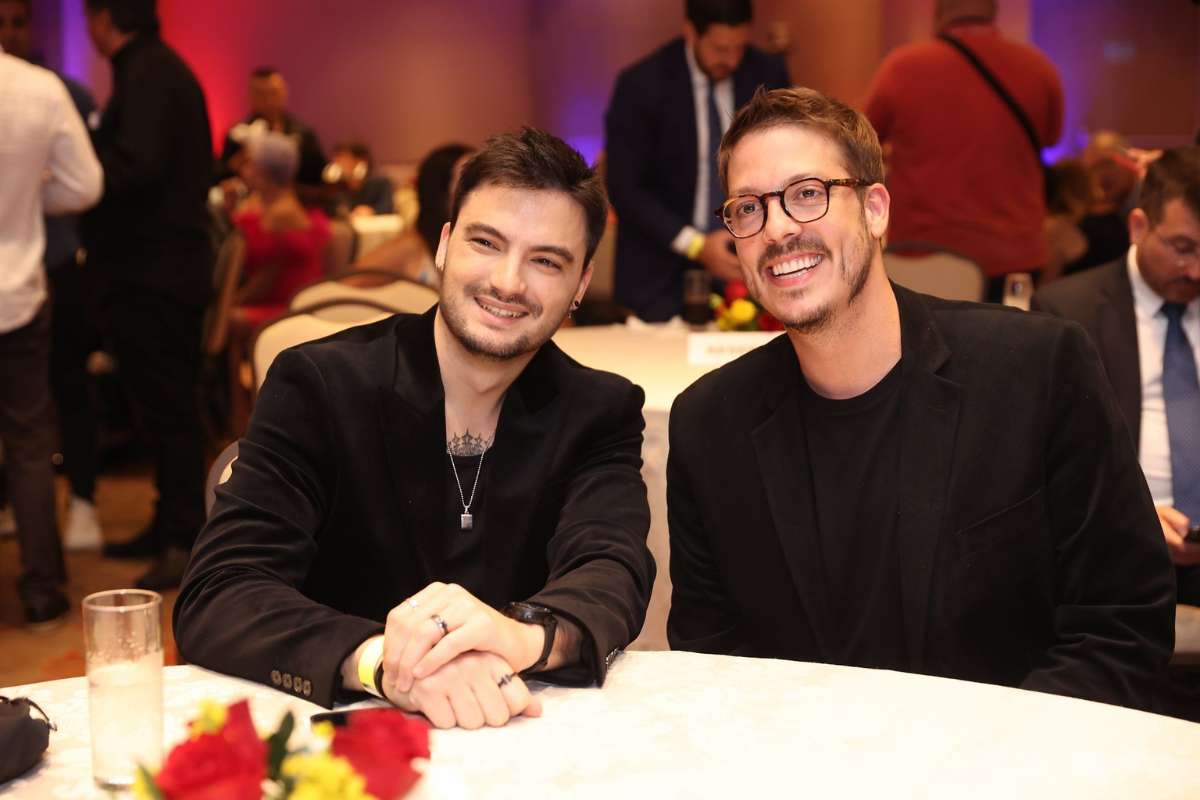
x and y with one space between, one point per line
805 200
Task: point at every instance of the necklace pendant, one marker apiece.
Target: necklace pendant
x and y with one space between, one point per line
466 521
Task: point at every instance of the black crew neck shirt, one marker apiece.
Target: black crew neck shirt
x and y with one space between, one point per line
854 452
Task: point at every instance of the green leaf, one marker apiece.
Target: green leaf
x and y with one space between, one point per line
150 786
277 746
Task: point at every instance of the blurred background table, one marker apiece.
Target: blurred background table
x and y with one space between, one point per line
375 230
684 725
654 356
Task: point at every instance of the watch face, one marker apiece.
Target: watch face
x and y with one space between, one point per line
529 612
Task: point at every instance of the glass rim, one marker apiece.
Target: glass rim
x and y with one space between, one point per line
151 599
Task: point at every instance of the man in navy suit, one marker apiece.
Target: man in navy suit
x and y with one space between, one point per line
662 130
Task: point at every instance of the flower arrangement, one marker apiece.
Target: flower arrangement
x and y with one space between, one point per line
223 758
737 311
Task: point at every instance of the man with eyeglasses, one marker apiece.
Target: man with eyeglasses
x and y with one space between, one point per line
1143 313
901 482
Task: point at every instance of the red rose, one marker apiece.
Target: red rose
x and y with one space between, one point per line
208 768
768 323
735 290
380 744
230 763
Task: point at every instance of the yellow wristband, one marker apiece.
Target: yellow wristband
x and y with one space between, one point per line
695 246
368 664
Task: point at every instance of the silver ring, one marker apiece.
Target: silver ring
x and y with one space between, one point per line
441 623
505 680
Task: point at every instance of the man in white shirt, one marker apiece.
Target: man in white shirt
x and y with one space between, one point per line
48 165
1143 313
662 129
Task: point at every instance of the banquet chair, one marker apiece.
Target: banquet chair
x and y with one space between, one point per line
218 473
382 286
308 324
338 253
227 272
939 273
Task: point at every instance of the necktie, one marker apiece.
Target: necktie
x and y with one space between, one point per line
715 196
1181 393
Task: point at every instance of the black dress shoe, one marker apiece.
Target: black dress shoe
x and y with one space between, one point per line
47 612
146 544
167 571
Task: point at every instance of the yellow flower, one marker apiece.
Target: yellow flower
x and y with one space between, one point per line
212 719
323 730
141 786
742 311
322 776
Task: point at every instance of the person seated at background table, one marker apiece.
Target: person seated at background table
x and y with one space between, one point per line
411 253
268 96
284 240
428 507
1068 198
363 191
902 482
1143 313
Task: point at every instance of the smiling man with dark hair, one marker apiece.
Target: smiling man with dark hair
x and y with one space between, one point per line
427 507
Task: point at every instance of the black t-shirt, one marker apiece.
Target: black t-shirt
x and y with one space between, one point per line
464 557
854 449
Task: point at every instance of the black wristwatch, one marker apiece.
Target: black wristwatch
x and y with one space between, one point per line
533 614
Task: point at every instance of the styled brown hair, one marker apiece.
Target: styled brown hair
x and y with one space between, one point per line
1175 174
808 108
533 159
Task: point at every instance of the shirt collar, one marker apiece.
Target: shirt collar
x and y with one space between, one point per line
699 78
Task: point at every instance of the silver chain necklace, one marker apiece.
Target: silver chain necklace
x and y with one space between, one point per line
466 520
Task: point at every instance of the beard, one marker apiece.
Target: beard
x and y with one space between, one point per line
454 307
854 269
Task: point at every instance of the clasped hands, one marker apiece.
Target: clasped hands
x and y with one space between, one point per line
1175 527
457 660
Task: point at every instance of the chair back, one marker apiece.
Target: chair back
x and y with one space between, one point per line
374 285
227 272
218 473
941 274
306 325
339 251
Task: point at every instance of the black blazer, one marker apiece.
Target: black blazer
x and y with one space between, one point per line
650 145
1030 554
1101 300
335 511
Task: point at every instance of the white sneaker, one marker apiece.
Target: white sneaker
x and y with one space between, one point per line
8 523
82 531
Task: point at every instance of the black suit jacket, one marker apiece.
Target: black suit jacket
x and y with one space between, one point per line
1030 554
151 227
1101 300
650 145
335 510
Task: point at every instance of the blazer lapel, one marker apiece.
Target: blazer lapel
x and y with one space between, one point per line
929 413
412 416
779 447
1117 330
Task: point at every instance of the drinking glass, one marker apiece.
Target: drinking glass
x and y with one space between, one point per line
122 633
697 285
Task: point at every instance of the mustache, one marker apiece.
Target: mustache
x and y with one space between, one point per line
807 242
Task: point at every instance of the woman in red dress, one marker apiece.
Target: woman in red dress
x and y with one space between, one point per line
284 240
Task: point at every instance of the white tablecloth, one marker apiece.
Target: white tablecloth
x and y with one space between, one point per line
682 725
655 358
375 230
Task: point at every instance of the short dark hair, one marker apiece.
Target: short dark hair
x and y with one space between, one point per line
702 13
1176 174
808 108
263 72
533 159
355 148
130 16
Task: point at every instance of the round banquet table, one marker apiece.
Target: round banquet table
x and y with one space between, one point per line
685 725
654 356
375 230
